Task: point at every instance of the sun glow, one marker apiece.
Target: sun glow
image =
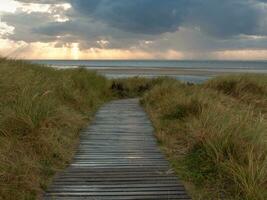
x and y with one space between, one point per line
244 54
40 50
8 6
75 51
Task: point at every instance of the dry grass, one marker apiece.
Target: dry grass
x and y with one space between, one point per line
214 134
248 88
41 113
134 87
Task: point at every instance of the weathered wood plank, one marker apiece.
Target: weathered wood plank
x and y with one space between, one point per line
118 158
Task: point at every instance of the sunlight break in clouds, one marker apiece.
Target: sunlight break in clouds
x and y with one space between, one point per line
72 51
245 54
127 29
8 6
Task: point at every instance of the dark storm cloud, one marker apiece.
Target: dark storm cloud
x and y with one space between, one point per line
139 16
23 29
215 17
212 24
89 33
226 18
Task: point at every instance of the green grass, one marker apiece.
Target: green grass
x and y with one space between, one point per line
250 89
134 87
41 113
214 134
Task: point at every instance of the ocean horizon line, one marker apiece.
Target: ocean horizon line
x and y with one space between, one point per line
163 60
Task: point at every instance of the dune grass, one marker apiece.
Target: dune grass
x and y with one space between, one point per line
135 86
248 88
214 134
41 113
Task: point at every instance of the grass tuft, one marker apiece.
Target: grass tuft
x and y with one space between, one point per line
41 112
214 134
134 87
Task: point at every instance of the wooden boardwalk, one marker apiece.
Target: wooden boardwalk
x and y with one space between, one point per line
118 158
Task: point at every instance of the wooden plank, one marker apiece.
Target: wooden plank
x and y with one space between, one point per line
118 158
148 197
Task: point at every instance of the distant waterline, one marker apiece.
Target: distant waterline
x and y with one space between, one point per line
204 66
249 65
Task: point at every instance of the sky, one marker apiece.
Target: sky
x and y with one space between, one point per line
134 29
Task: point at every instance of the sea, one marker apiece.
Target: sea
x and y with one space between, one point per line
159 65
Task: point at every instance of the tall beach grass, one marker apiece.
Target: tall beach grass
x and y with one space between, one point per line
214 134
41 112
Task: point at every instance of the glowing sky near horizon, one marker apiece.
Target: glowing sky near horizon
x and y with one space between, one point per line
134 29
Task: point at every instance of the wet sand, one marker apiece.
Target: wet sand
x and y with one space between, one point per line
163 71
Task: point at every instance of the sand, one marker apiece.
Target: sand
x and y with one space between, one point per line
162 71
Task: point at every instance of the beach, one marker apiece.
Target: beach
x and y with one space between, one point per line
183 70
164 71
46 106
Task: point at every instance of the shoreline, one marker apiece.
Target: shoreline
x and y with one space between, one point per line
171 71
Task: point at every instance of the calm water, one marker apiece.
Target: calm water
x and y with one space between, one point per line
220 66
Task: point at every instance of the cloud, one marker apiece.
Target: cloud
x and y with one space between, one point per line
23 30
138 16
43 1
215 17
227 18
196 27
